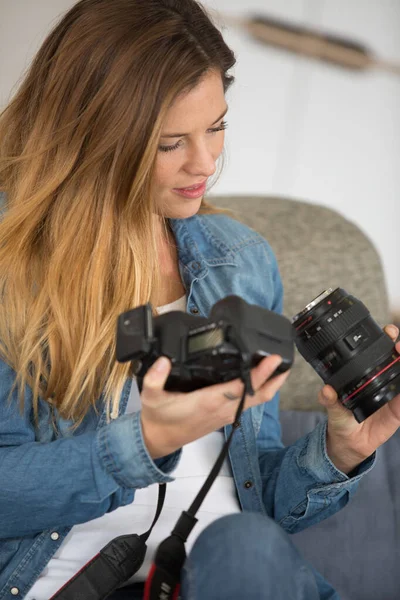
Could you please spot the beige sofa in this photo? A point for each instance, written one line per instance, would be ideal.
(316, 248)
(358, 549)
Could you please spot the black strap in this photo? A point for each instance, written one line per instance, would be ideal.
(162, 488)
(165, 575)
(198, 501)
(121, 558)
(117, 562)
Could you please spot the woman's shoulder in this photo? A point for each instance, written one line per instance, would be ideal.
(227, 229)
(258, 277)
(232, 233)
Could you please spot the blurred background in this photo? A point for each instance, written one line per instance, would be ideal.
(298, 127)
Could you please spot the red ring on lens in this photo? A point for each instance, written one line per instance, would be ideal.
(372, 379)
(310, 318)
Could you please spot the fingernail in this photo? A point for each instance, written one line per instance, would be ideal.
(326, 397)
(392, 330)
(278, 360)
(161, 364)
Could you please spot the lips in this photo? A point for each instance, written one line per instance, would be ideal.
(192, 187)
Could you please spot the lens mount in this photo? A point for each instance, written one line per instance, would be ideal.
(312, 304)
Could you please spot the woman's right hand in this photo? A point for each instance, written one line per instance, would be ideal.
(172, 419)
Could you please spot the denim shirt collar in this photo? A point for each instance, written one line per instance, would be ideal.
(213, 251)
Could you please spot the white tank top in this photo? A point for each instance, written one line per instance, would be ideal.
(85, 540)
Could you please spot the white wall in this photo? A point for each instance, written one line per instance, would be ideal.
(296, 127)
(300, 128)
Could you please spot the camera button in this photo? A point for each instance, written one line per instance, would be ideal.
(355, 339)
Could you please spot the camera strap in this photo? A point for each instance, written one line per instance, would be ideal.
(117, 562)
(163, 581)
(121, 558)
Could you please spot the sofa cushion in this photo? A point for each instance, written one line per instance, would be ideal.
(358, 549)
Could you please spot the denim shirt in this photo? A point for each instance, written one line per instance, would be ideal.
(51, 479)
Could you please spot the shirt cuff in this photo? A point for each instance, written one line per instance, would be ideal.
(315, 460)
(124, 455)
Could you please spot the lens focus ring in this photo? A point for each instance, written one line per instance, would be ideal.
(359, 365)
(331, 332)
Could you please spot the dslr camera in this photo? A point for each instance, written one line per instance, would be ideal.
(204, 351)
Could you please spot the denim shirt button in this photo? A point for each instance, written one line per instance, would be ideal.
(236, 424)
(54, 536)
(196, 266)
(194, 310)
(14, 591)
(248, 484)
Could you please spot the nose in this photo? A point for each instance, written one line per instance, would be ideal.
(201, 161)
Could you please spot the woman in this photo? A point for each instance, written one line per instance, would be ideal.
(105, 154)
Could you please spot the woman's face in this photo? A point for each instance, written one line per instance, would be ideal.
(191, 141)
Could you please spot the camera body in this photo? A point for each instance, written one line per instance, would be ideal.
(204, 351)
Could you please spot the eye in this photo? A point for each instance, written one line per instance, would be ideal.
(170, 148)
(222, 127)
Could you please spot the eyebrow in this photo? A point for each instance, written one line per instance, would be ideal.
(173, 135)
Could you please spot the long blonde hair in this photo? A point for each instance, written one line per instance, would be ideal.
(78, 144)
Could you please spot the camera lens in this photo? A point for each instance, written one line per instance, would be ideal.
(337, 336)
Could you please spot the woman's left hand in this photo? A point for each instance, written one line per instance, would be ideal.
(348, 442)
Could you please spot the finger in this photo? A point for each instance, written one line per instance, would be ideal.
(267, 391)
(265, 394)
(338, 415)
(264, 370)
(156, 377)
(235, 387)
(392, 331)
(327, 396)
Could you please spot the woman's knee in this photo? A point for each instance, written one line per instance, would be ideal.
(251, 540)
(247, 529)
(245, 551)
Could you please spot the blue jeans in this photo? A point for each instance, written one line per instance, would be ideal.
(245, 555)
